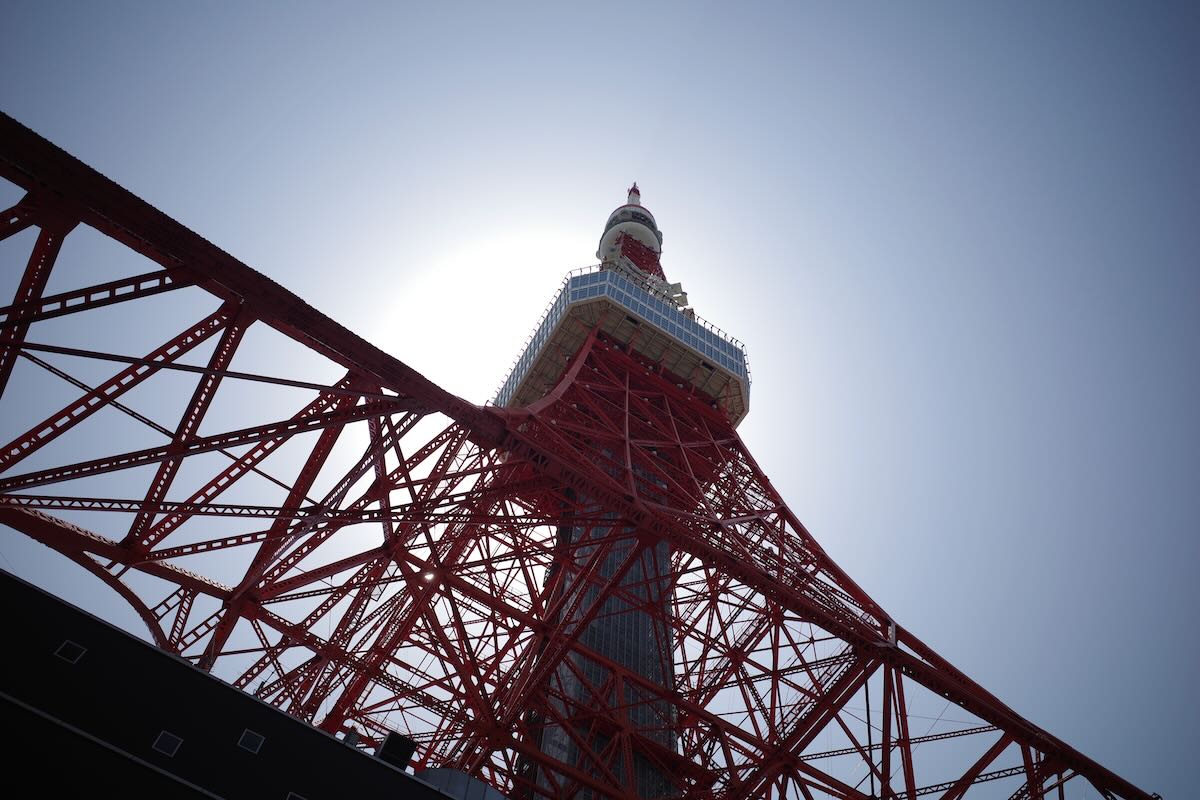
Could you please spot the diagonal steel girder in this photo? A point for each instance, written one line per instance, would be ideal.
(44, 170)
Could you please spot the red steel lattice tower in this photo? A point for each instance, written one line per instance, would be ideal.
(586, 589)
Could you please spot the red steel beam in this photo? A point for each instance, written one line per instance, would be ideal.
(29, 291)
(36, 165)
(607, 422)
(102, 294)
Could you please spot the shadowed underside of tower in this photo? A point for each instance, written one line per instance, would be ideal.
(588, 589)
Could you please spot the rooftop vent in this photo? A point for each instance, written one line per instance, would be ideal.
(167, 743)
(251, 740)
(397, 750)
(70, 652)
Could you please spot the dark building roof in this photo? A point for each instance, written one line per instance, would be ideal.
(92, 710)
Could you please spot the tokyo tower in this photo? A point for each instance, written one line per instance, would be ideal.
(585, 589)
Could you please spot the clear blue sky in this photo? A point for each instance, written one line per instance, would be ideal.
(961, 242)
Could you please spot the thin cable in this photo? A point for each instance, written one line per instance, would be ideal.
(146, 420)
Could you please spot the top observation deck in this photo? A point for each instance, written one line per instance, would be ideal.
(630, 307)
(627, 297)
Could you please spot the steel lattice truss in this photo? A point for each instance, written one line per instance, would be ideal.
(368, 552)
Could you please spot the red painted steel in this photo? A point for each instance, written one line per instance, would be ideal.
(640, 255)
(390, 556)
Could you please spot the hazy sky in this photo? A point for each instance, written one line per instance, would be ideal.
(960, 240)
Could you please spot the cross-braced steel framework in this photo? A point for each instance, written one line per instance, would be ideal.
(323, 526)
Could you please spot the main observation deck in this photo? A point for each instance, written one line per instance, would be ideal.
(632, 311)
